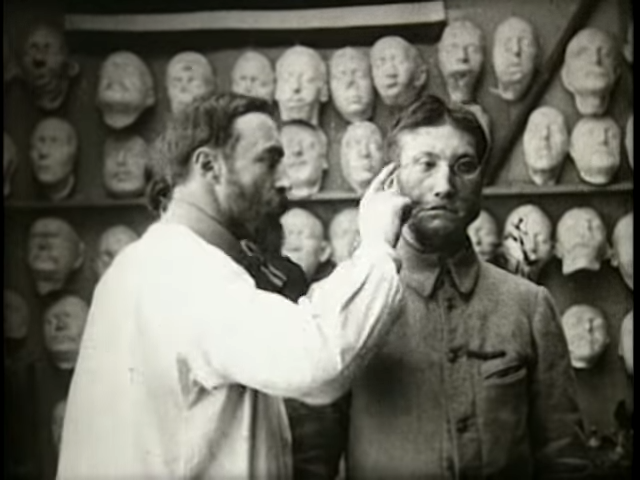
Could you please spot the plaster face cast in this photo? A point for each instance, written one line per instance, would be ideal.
(351, 84)
(460, 59)
(54, 252)
(527, 242)
(625, 349)
(591, 69)
(581, 240)
(46, 66)
(111, 244)
(546, 143)
(399, 71)
(64, 325)
(484, 235)
(301, 85)
(125, 89)
(622, 255)
(9, 162)
(189, 75)
(361, 154)
(344, 234)
(515, 56)
(125, 166)
(305, 159)
(54, 151)
(253, 75)
(304, 240)
(595, 149)
(57, 422)
(628, 140)
(585, 329)
(16, 316)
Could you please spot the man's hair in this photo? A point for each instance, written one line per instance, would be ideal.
(431, 111)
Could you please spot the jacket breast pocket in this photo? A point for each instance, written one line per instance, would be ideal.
(503, 372)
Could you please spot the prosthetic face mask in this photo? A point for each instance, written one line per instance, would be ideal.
(189, 75)
(628, 140)
(125, 166)
(581, 240)
(515, 55)
(63, 328)
(585, 329)
(484, 236)
(399, 71)
(57, 422)
(54, 149)
(46, 66)
(344, 234)
(111, 243)
(54, 252)
(622, 256)
(591, 69)
(16, 316)
(301, 84)
(9, 162)
(460, 58)
(305, 159)
(361, 154)
(625, 349)
(595, 149)
(125, 89)
(253, 75)
(351, 84)
(546, 143)
(304, 241)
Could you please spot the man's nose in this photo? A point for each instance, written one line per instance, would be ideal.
(442, 182)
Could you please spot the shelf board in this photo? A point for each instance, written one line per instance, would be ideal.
(72, 204)
(564, 189)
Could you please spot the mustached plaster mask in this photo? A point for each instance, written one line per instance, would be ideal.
(581, 240)
(585, 329)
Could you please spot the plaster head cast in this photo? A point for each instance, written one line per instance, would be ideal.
(625, 348)
(515, 58)
(305, 158)
(399, 71)
(64, 323)
(545, 144)
(57, 422)
(189, 75)
(253, 75)
(595, 148)
(54, 152)
(484, 236)
(16, 316)
(9, 162)
(585, 329)
(351, 84)
(361, 154)
(581, 240)
(46, 66)
(112, 242)
(622, 254)
(460, 59)
(304, 240)
(591, 69)
(54, 252)
(301, 84)
(628, 140)
(527, 241)
(344, 234)
(125, 89)
(126, 162)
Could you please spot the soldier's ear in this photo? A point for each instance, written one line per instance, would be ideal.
(209, 163)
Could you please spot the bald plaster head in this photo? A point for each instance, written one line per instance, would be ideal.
(189, 75)
(57, 422)
(625, 348)
(344, 234)
(361, 154)
(595, 148)
(46, 66)
(485, 236)
(54, 252)
(351, 84)
(54, 153)
(585, 329)
(591, 69)
(304, 240)
(581, 240)
(460, 59)
(399, 71)
(253, 75)
(545, 143)
(9, 162)
(112, 242)
(628, 140)
(527, 241)
(125, 89)
(16, 316)
(64, 323)
(301, 84)
(622, 254)
(126, 162)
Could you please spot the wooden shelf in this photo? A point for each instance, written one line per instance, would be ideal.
(565, 189)
(72, 204)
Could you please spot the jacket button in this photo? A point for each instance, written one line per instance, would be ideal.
(452, 355)
(462, 425)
